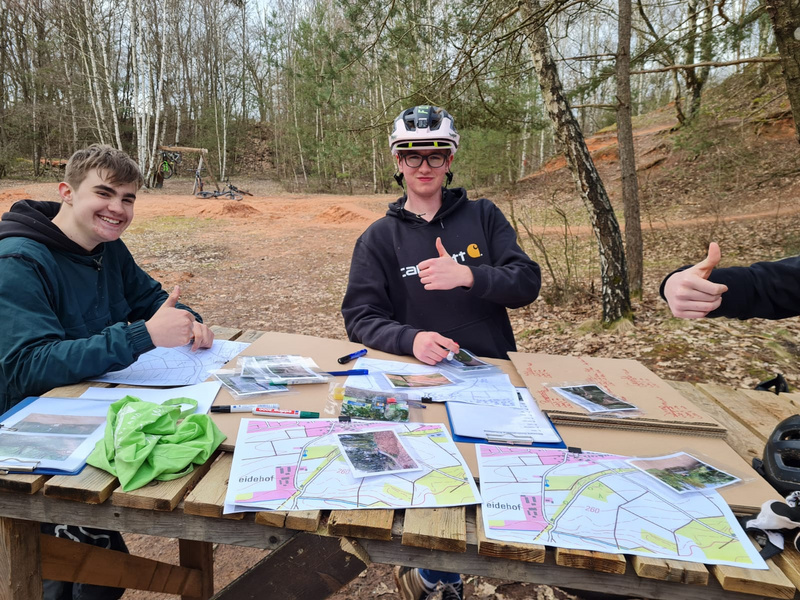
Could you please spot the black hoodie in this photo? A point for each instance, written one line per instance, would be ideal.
(385, 305)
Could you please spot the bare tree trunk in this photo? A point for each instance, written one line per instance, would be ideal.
(785, 15)
(627, 156)
(94, 78)
(614, 275)
(112, 101)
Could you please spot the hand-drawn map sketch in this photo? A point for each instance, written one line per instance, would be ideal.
(594, 501)
(296, 464)
(175, 366)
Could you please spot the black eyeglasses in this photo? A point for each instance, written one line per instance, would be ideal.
(434, 160)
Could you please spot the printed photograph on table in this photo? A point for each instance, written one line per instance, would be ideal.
(593, 398)
(247, 386)
(683, 472)
(421, 380)
(61, 424)
(372, 453)
(39, 447)
(282, 369)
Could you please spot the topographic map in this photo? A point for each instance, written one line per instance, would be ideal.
(296, 464)
(593, 501)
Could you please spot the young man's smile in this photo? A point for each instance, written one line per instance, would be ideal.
(97, 211)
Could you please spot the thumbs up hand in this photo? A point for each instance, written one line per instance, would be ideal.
(170, 326)
(689, 293)
(444, 273)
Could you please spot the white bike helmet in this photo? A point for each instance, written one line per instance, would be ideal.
(424, 127)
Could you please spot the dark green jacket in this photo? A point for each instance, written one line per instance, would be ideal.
(66, 314)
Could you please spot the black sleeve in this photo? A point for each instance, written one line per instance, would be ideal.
(767, 290)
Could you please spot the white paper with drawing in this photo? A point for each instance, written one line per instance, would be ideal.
(175, 366)
(421, 381)
(204, 393)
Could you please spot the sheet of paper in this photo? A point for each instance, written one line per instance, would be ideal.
(53, 433)
(494, 390)
(526, 424)
(204, 393)
(175, 366)
(296, 464)
(598, 502)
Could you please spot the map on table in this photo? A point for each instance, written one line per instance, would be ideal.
(594, 501)
(495, 390)
(297, 464)
(175, 366)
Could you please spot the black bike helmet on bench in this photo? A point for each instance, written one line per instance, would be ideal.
(781, 464)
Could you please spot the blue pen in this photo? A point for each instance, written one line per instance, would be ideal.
(350, 372)
(346, 359)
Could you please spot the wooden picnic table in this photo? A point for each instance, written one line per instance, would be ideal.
(315, 553)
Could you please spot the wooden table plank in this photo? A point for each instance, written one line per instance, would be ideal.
(161, 495)
(678, 571)
(603, 562)
(24, 484)
(20, 567)
(225, 333)
(772, 583)
(742, 408)
(92, 485)
(788, 562)
(198, 556)
(273, 518)
(436, 528)
(303, 520)
(65, 560)
(510, 550)
(375, 524)
(207, 499)
(746, 443)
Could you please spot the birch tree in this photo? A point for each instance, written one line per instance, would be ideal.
(613, 269)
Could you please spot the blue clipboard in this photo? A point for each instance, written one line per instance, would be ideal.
(506, 440)
(27, 467)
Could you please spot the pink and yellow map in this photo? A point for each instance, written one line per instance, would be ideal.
(296, 464)
(594, 501)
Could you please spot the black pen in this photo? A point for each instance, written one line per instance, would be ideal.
(346, 359)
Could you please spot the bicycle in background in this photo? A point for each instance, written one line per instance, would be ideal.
(228, 191)
(169, 163)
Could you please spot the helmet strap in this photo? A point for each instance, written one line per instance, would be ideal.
(398, 177)
(449, 178)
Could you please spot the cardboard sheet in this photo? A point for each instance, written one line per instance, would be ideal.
(661, 407)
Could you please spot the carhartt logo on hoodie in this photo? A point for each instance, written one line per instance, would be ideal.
(472, 251)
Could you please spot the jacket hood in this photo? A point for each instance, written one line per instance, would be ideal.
(451, 200)
(33, 220)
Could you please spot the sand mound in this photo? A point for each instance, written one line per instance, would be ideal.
(338, 214)
(231, 209)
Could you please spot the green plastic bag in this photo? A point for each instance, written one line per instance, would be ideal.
(145, 441)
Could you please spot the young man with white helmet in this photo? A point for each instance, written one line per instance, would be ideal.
(435, 274)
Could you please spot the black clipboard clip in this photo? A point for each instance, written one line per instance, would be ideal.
(21, 466)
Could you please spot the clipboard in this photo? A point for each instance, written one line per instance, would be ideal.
(76, 460)
(481, 424)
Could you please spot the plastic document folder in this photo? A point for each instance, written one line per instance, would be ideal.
(50, 436)
(527, 425)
